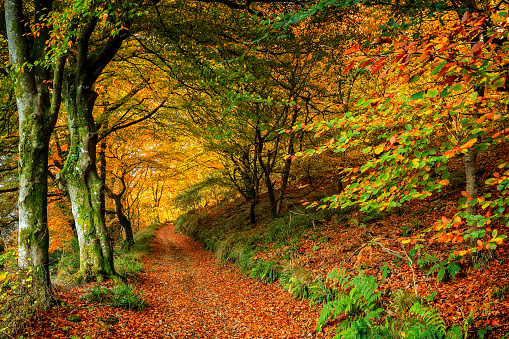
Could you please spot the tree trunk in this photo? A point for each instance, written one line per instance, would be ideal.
(102, 169)
(267, 171)
(472, 186)
(252, 211)
(122, 219)
(79, 174)
(80, 177)
(37, 110)
(288, 165)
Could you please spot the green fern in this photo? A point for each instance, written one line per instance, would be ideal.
(405, 299)
(453, 269)
(427, 260)
(367, 287)
(298, 289)
(360, 302)
(429, 317)
(257, 270)
(320, 293)
(339, 277)
(454, 333)
(444, 268)
(420, 331)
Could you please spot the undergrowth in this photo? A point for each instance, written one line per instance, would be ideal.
(20, 295)
(122, 296)
(355, 301)
(127, 261)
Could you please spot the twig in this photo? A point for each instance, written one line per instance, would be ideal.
(397, 255)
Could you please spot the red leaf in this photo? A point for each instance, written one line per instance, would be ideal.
(381, 40)
(365, 63)
(477, 46)
(465, 17)
(449, 80)
(349, 67)
(351, 50)
(377, 65)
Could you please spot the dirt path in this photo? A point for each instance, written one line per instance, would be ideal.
(189, 296)
(205, 300)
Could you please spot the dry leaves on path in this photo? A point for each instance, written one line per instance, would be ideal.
(189, 296)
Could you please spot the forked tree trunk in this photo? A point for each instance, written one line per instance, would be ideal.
(83, 184)
(79, 174)
(119, 211)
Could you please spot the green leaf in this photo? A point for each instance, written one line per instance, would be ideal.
(417, 96)
(438, 68)
(432, 93)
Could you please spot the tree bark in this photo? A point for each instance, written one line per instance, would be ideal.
(38, 107)
(81, 179)
(119, 211)
(79, 174)
(288, 165)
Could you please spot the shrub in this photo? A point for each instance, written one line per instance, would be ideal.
(358, 300)
(20, 296)
(98, 294)
(122, 295)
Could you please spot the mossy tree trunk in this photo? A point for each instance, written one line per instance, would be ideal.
(79, 175)
(83, 184)
(38, 101)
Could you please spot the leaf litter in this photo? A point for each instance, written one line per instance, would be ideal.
(189, 295)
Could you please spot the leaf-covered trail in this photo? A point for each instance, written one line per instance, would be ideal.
(189, 296)
(200, 299)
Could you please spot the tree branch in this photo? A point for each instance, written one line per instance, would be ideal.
(8, 190)
(104, 134)
(102, 57)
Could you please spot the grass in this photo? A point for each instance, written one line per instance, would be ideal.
(121, 295)
(129, 265)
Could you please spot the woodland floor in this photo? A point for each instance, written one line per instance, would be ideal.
(189, 296)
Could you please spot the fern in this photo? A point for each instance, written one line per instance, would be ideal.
(405, 299)
(269, 272)
(257, 270)
(297, 288)
(427, 260)
(429, 317)
(367, 287)
(443, 268)
(320, 293)
(331, 310)
(420, 331)
(339, 277)
(453, 269)
(359, 303)
(454, 333)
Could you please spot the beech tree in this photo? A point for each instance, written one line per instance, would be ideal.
(442, 98)
(37, 86)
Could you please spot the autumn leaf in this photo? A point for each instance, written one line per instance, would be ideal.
(352, 49)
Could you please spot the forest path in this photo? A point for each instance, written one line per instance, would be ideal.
(200, 299)
(189, 295)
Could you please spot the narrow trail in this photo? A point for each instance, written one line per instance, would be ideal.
(189, 295)
(206, 300)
